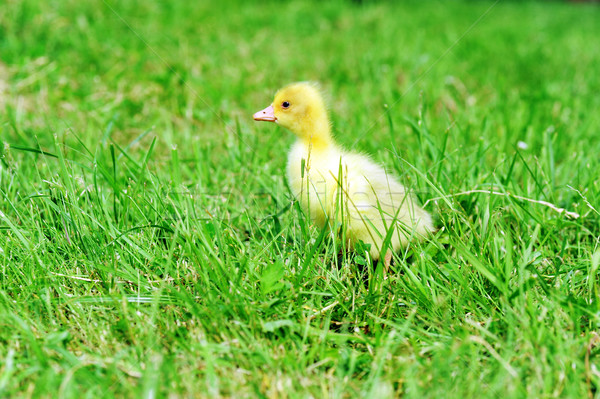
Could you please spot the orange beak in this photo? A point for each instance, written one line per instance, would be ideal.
(266, 114)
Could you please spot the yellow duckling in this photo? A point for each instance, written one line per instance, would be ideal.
(340, 188)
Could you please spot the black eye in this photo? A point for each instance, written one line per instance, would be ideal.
(285, 104)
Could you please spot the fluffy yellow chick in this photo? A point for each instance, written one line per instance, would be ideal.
(340, 188)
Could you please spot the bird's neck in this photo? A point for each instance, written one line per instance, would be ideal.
(317, 135)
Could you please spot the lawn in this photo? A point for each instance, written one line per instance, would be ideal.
(150, 246)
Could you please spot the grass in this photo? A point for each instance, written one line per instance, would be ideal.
(149, 245)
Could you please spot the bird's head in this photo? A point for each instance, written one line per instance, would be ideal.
(300, 108)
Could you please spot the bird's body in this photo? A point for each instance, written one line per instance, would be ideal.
(341, 189)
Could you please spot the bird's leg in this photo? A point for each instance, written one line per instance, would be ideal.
(387, 260)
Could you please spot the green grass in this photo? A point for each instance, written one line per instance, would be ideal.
(147, 243)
